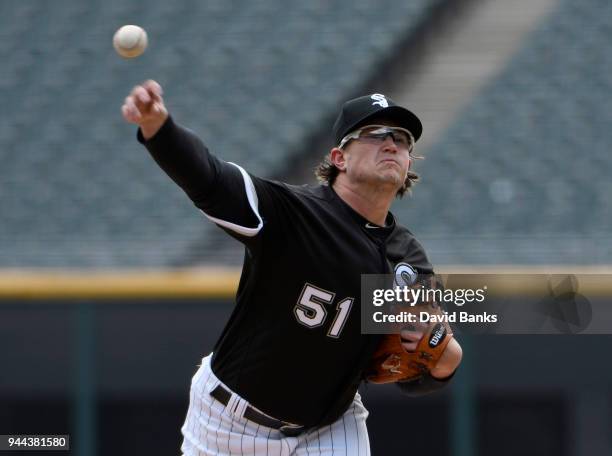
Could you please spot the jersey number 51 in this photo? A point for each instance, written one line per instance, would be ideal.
(311, 311)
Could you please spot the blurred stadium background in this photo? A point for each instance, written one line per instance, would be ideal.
(113, 286)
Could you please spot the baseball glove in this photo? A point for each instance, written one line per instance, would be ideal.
(391, 362)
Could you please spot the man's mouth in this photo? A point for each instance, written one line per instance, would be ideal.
(389, 160)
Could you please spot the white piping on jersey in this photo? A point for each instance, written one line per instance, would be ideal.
(253, 202)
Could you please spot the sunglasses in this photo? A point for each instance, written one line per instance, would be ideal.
(377, 134)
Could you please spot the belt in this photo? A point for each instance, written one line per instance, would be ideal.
(223, 395)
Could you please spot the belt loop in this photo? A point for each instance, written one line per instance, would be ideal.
(231, 404)
(241, 405)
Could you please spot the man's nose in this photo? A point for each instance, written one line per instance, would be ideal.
(389, 144)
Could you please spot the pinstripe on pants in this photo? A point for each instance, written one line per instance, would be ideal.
(214, 429)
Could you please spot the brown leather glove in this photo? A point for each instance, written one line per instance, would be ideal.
(391, 362)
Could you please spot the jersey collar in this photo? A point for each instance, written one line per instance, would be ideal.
(368, 226)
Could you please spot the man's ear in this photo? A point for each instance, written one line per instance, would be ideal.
(338, 158)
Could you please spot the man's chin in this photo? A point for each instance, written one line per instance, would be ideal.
(391, 179)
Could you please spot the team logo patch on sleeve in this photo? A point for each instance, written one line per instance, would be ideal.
(405, 275)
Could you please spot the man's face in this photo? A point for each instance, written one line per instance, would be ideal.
(377, 162)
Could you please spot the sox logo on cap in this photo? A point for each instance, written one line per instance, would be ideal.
(381, 100)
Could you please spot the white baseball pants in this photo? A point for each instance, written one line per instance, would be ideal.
(212, 428)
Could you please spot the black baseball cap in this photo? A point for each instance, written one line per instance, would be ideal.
(360, 111)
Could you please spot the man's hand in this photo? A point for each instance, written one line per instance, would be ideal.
(145, 107)
(450, 358)
(449, 361)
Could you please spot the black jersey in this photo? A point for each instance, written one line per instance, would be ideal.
(292, 346)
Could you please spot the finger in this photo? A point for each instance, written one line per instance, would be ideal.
(409, 346)
(155, 97)
(141, 96)
(154, 89)
(129, 117)
(410, 336)
(134, 99)
(157, 108)
(126, 113)
(132, 110)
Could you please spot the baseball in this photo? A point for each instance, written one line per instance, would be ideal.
(130, 41)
